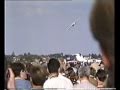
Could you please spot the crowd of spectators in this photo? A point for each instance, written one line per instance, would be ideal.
(57, 74)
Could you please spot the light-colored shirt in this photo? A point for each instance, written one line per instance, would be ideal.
(59, 82)
(85, 85)
(68, 81)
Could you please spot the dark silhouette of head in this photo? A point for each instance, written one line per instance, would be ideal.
(101, 75)
(17, 68)
(53, 65)
(102, 26)
(38, 75)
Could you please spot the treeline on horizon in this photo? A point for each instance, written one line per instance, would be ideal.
(29, 56)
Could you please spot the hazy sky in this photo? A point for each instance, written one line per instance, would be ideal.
(40, 27)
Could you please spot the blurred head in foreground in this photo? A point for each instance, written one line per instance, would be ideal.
(102, 26)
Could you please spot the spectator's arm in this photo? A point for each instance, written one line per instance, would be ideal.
(11, 80)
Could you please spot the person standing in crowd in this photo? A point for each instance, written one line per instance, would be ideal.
(71, 75)
(54, 80)
(20, 76)
(38, 77)
(92, 77)
(28, 68)
(85, 84)
(102, 27)
(101, 76)
(62, 73)
(94, 67)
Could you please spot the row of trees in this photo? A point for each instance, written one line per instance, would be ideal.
(30, 57)
(95, 56)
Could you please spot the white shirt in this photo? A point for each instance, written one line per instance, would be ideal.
(60, 82)
(68, 81)
(85, 85)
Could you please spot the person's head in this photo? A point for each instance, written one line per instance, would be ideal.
(53, 65)
(62, 63)
(19, 70)
(72, 65)
(92, 71)
(101, 75)
(28, 66)
(84, 71)
(71, 75)
(37, 75)
(102, 26)
(69, 71)
(44, 68)
(95, 66)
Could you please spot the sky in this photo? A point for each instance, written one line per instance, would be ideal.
(40, 27)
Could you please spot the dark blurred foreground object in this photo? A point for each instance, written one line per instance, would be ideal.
(102, 26)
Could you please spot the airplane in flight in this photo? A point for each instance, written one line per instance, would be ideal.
(73, 24)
